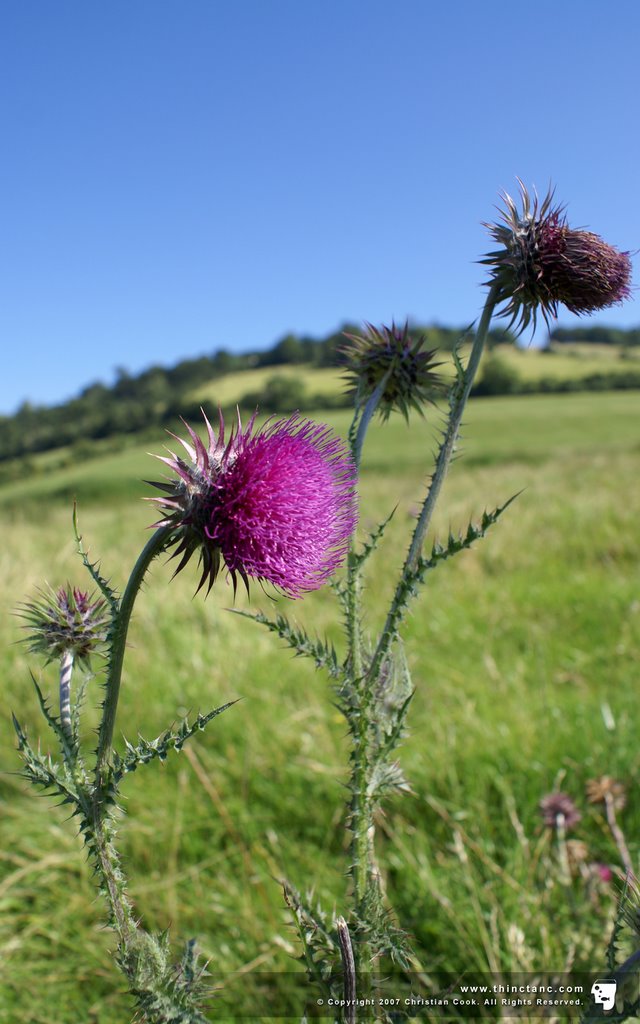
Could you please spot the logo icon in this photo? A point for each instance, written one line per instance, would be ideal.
(603, 991)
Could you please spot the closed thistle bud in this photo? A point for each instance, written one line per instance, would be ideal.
(391, 352)
(65, 622)
(543, 263)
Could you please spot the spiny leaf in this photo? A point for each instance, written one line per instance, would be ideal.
(320, 651)
(67, 744)
(358, 559)
(320, 943)
(386, 778)
(412, 578)
(93, 568)
(42, 771)
(148, 750)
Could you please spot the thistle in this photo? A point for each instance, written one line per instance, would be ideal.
(277, 504)
(543, 263)
(559, 811)
(389, 354)
(66, 625)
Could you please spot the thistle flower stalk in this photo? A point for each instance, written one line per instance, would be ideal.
(66, 671)
(154, 546)
(458, 403)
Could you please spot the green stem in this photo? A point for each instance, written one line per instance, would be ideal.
(357, 432)
(66, 671)
(447, 448)
(453, 429)
(154, 546)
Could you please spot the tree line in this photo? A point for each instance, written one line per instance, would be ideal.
(159, 395)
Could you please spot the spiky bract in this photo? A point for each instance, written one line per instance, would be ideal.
(411, 382)
(65, 621)
(275, 504)
(543, 263)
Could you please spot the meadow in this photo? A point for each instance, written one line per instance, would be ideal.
(524, 653)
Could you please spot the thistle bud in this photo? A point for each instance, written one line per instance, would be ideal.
(543, 263)
(65, 622)
(390, 352)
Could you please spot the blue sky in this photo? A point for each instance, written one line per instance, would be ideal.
(180, 177)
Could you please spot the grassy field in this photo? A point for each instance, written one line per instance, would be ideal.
(524, 653)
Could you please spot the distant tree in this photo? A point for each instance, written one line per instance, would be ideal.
(288, 350)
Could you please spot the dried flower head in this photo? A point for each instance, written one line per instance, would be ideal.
(606, 790)
(558, 810)
(277, 504)
(66, 621)
(411, 381)
(543, 262)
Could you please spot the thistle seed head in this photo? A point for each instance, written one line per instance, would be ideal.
(542, 263)
(606, 790)
(275, 504)
(412, 381)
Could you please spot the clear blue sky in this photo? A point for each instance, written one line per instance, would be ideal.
(178, 177)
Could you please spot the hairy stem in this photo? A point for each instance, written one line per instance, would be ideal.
(154, 546)
(66, 671)
(108, 864)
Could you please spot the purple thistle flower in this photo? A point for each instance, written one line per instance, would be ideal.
(543, 262)
(277, 504)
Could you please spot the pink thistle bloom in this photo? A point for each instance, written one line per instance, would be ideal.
(604, 872)
(543, 262)
(277, 504)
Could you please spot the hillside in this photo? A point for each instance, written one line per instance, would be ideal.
(296, 373)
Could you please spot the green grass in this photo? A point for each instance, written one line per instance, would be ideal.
(523, 651)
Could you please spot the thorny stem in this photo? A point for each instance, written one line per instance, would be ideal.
(363, 869)
(154, 546)
(108, 865)
(445, 454)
